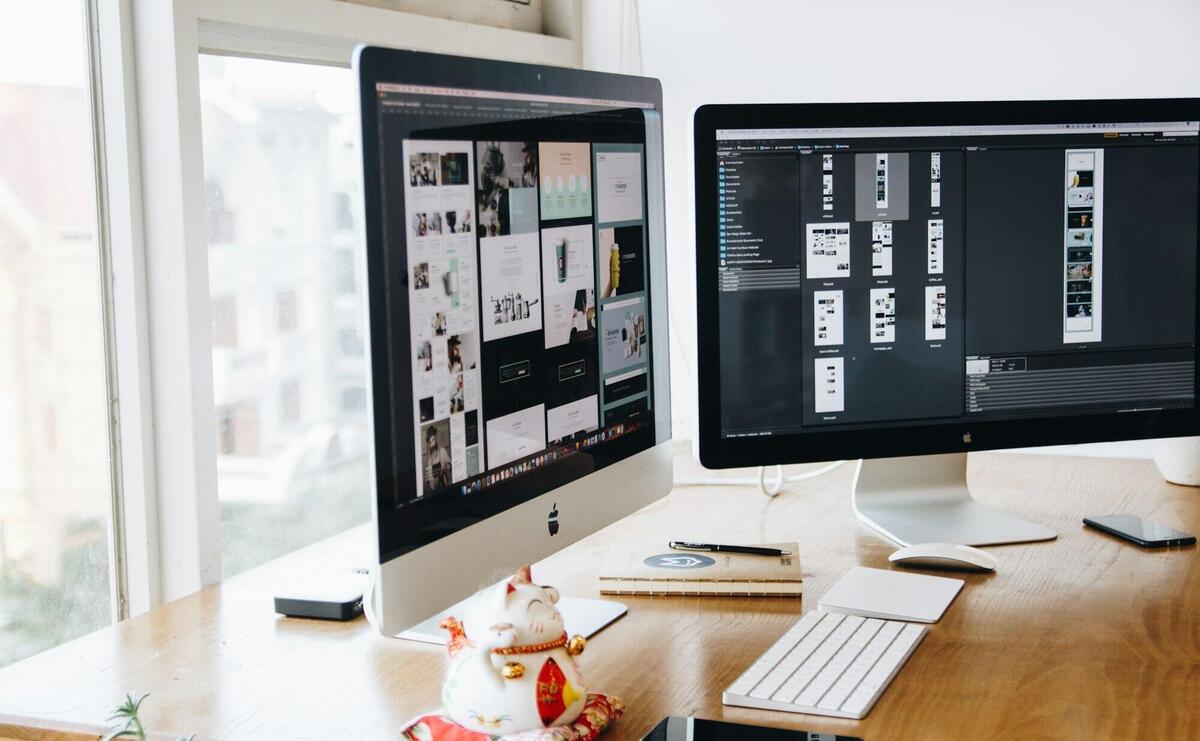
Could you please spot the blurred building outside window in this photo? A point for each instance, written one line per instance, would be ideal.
(284, 195)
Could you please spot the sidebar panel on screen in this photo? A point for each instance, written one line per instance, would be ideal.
(759, 274)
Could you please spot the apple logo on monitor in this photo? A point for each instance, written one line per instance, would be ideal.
(552, 521)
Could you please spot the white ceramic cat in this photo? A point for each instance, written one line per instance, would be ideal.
(512, 667)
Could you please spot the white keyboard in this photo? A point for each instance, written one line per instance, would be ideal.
(827, 664)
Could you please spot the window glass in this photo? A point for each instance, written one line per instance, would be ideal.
(224, 321)
(55, 483)
(284, 197)
(286, 315)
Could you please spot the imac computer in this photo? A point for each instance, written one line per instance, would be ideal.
(909, 282)
(516, 298)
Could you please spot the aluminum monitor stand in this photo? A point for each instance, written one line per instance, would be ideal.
(924, 499)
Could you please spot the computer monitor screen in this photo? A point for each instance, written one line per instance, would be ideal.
(895, 277)
(509, 298)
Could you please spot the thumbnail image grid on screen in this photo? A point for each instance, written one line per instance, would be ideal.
(527, 303)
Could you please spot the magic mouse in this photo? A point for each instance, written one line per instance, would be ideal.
(944, 556)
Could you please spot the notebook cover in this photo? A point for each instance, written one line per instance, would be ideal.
(664, 571)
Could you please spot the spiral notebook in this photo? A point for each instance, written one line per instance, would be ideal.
(693, 573)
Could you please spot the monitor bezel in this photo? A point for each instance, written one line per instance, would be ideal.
(715, 451)
(385, 65)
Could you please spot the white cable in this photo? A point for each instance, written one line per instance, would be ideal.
(369, 599)
(760, 480)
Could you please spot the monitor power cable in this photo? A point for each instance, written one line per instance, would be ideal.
(769, 490)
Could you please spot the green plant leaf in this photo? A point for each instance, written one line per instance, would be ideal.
(127, 711)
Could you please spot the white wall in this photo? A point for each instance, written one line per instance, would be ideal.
(728, 51)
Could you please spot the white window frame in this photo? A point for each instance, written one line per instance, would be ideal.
(166, 515)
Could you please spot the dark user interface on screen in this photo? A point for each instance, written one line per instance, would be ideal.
(927, 276)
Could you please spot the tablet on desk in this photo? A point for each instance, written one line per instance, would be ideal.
(676, 728)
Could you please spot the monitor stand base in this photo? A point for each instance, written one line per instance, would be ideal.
(924, 499)
(585, 617)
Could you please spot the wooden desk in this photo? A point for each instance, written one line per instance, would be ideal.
(1083, 637)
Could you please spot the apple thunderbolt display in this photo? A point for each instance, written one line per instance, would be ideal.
(913, 281)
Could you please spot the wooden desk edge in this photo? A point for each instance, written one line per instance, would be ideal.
(18, 728)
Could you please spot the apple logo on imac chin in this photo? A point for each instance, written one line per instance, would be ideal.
(552, 521)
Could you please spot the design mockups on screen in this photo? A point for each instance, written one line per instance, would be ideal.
(528, 299)
(444, 305)
(827, 316)
(1083, 248)
(828, 250)
(829, 385)
(994, 251)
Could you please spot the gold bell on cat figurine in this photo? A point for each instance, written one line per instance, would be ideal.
(576, 645)
(513, 670)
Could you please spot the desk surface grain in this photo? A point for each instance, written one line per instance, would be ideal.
(1085, 636)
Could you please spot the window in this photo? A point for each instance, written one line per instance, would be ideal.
(346, 284)
(281, 169)
(51, 442)
(342, 216)
(55, 492)
(354, 400)
(44, 332)
(350, 342)
(237, 429)
(285, 311)
(224, 321)
(289, 402)
(220, 219)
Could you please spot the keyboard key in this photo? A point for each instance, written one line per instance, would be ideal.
(829, 674)
(853, 674)
(909, 635)
(778, 675)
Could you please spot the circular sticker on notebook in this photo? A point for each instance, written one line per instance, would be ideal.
(679, 561)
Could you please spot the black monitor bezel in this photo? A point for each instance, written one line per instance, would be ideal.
(900, 440)
(381, 64)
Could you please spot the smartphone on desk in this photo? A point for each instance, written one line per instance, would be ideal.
(697, 729)
(1143, 532)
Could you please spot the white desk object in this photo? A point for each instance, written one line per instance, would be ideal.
(891, 595)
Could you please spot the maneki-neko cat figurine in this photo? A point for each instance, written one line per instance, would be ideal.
(512, 666)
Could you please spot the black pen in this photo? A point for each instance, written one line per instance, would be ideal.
(679, 545)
